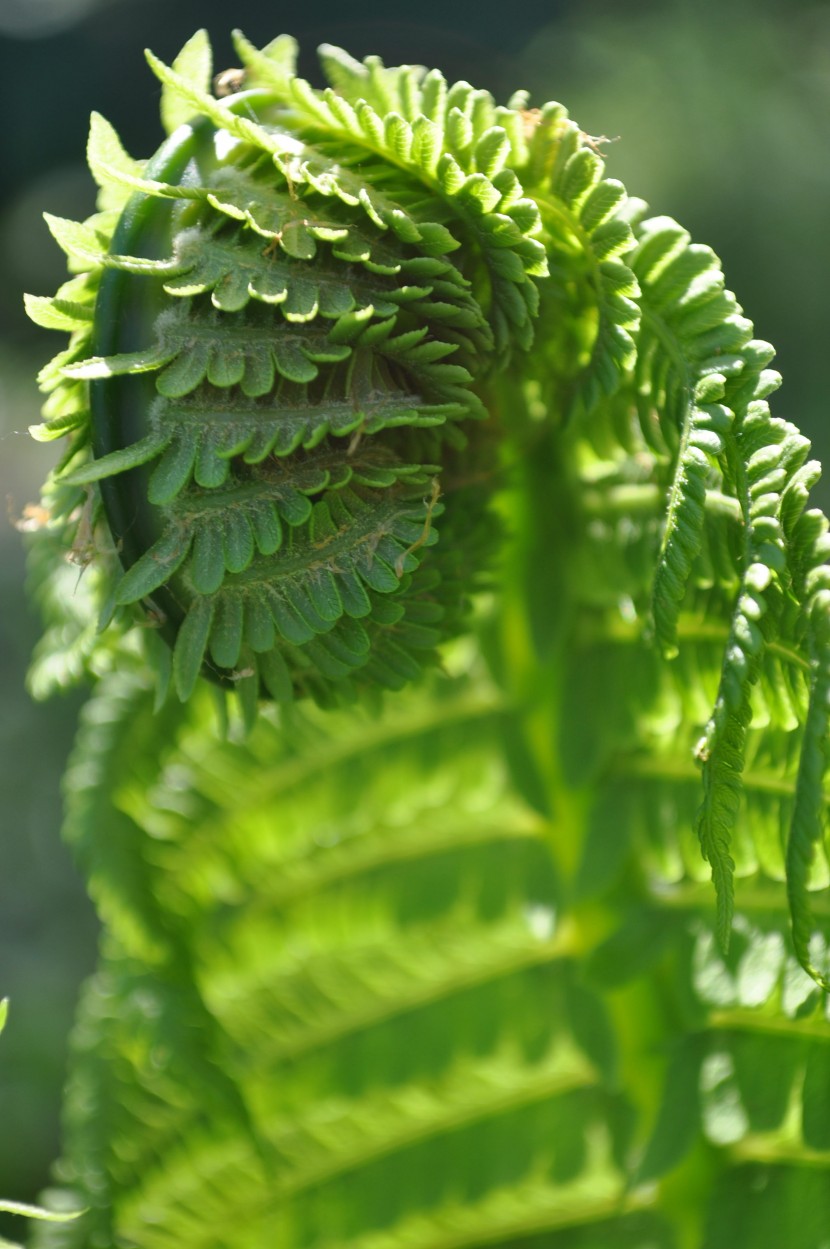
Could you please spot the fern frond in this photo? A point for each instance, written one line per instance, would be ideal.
(807, 828)
(431, 1000)
(386, 999)
(228, 386)
(684, 302)
(195, 65)
(710, 397)
(587, 234)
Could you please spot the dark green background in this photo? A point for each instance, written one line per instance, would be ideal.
(720, 116)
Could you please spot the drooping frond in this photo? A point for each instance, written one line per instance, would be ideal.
(730, 548)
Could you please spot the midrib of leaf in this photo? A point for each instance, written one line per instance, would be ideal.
(299, 867)
(384, 850)
(670, 344)
(757, 1021)
(770, 1149)
(543, 1209)
(752, 898)
(551, 1081)
(554, 210)
(672, 768)
(365, 529)
(195, 415)
(471, 973)
(691, 627)
(531, 1205)
(262, 785)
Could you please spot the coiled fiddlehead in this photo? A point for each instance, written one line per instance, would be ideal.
(288, 329)
(282, 368)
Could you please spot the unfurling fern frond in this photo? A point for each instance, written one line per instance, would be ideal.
(409, 974)
(300, 354)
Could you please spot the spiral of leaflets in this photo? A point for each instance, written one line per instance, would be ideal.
(272, 367)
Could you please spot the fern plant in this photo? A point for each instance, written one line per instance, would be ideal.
(452, 787)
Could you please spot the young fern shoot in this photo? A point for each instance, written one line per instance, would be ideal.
(339, 360)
